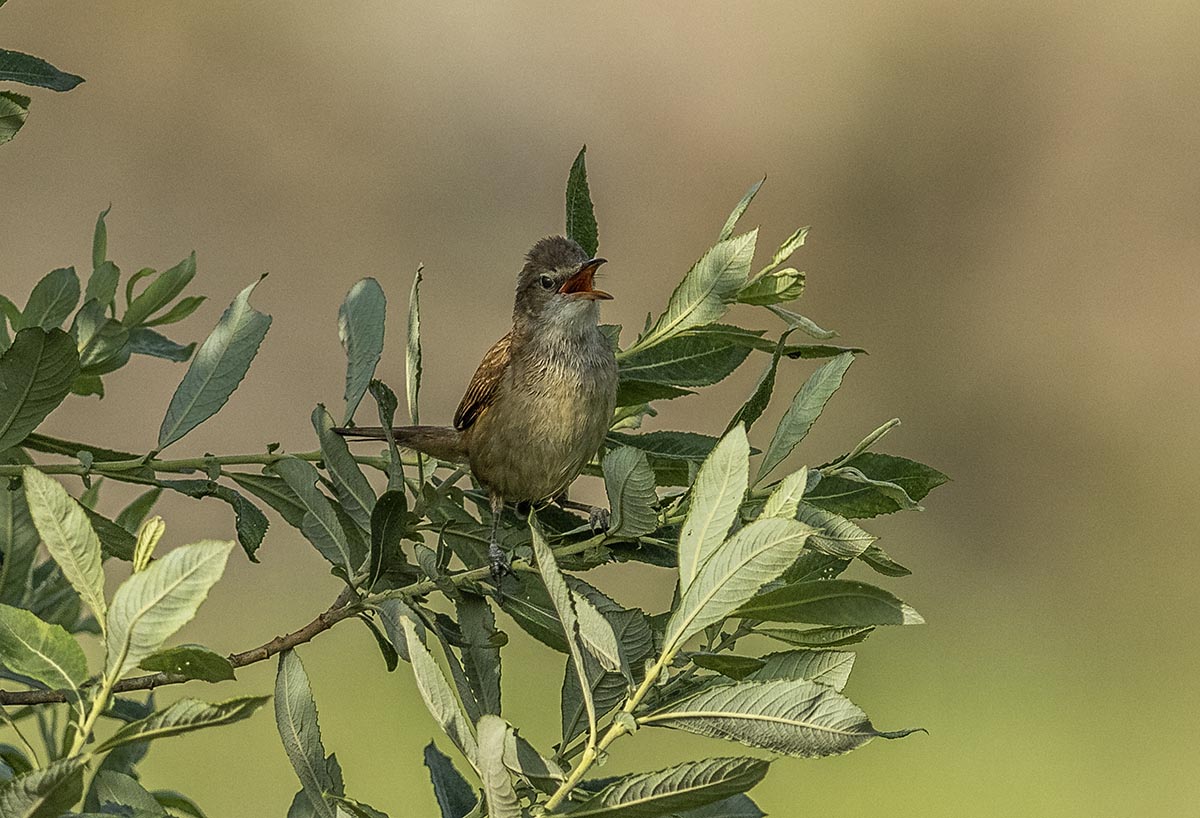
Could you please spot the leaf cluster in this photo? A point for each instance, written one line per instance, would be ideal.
(26, 70)
(757, 559)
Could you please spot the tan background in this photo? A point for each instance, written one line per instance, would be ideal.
(1004, 208)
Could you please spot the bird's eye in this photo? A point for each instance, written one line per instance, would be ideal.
(547, 282)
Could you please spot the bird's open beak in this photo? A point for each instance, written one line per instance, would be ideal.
(580, 284)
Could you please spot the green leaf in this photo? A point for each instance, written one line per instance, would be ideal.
(296, 718)
(806, 325)
(18, 537)
(23, 68)
(160, 292)
(692, 784)
(152, 604)
(143, 341)
(817, 637)
(739, 806)
(801, 719)
(705, 292)
(192, 661)
(481, 650)
(831, 602)
(250, 523)
(134, 279)
(386, 403)
(436, 692)
(349, 483)
(629, 482)
(178, 802)
(184, 716)
(133, 514)
(523, 759)
(881, 562)
(689, 446)
(100, 250)
(46, 792)
(727, 664)
(581, 220)
(320, 524)
(454, 796)
(217, 369)
(412, 349)
(633, 393)
(733, 575)
(785, 498)
(14, 108)
(68, 536)
(694, 358)
(776, 287)
(182, 309)
(360, 327)
(859, 500)
(45, 653)
(827, 667)
(273, 491)
(739, 209)
(390, 521)
(805, 409)
(498, 791)
(716, 496)
(565, 608)
(102, 342)
(837, 537)
(36, 373)
(790, 245)
(757, 403)
(102, 284)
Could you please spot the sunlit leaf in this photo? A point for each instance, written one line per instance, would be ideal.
(692, 784)
(14, 108)
(436, 692)
(45, 653)
(802, 719)
(143, 341)
(160, 292)
(739, 209)
(716, 496)
(360, 327)
(412, 349)
(152, 604)
(219, 366)
(629, 483)
(784, 500)
(831, 602)
(777, 287)
(36, 373)
(837, 536)
(827, 667)
(817, 637)
(184, 716)
(44, 793)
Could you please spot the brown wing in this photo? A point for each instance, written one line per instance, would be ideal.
(482, 390)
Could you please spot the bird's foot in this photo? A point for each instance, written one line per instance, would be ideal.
(599, 519)
(499, 566)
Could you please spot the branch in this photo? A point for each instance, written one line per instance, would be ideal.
(339, 610)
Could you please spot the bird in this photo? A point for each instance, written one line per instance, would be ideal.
(541, 401)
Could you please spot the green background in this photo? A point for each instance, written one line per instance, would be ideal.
(1004, 206)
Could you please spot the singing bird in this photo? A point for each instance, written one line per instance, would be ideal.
(542, 399)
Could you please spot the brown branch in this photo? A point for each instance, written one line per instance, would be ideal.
(339, 610)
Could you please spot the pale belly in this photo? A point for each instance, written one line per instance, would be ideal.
(532, 443)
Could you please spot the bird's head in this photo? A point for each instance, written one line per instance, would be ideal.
(556, 285)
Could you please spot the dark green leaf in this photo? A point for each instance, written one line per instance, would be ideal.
(810, 351)
(18, 537)
(756, 404)
(861, 500)
(805, 409)
(178, 802)
(831, 602)
(45, 792)
(390, 521)
(115, 541)
(349, 483)
(360, 327)
(481, 650)
(386, 403)
(160, 292)
(629, 482)
(668, 445)
(102, 284)
(35, 375)
(14, 108)
(182, 309)
(184, 716)
(217, 369)
(133, 514)
(275, 493)
(143, 341)
(24, 68)
(102, 342)
(879, 559)
(739, 806)
(802, 719)
(692, 784)
(727, 664)
(454, 796)
(117, 793)
(296, 717)
(818, 637)
(632, 393)
(192, 661)
(581, 220)
(249, 521)
(320, 524)
(100, 251)
(694, 358)
(69, 448)
(391, 658)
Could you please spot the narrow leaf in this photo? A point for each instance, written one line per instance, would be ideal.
(501, 797)
(151, 605)
(182, 309)
(818, 637)
(454, 796)
(143, 341)
(801, 719)
(481, 650)
(827, 667)
(733, 575)
(785, 498)
(160, 292)
(360, 327)
(438, 696)
(837, 536)
(349, 483)
(777, 287)
(716, 496)
(739, 209)
(249, 521)
(18, 536)
(320, 524)
(184, 716)
(581, 220)
(412, 349)
(629, 482)
(390, 520)
(30, 70)
(68, 536)
(805, 409)
(296, 718)
(192, 661)
(36, 373)
(692, 784)
(218, 368)
(831, 602)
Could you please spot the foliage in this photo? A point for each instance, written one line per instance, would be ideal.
(754, 557)
(27, 70)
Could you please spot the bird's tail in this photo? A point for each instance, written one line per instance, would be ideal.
(441, 442)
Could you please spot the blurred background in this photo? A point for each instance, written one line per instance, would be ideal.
(1003, 200)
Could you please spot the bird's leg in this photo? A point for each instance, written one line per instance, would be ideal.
(496, 557)
(598, 518)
